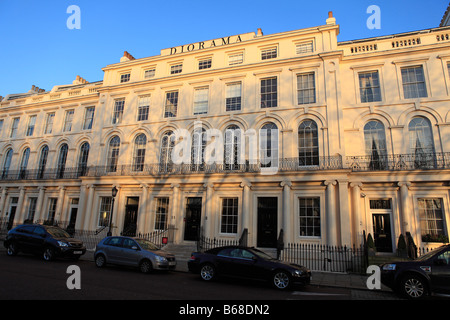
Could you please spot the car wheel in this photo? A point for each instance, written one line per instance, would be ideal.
(207, 272)
(12, 249)
(146, 266)
(49, 254)
(100, 261)
(413, 287)
(281, 280)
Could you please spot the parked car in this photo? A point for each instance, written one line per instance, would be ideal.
(134, 252)
(249, 263)
(49, 241)
(418, 278)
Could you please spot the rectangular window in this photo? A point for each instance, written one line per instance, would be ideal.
(49, 123)
(150, 73)
(269, 53)
(31, 209)
(369, 86)
(68, 120)
(309, 217)
(124, 77)
(88, 118)
(235, 59)
(431, 215)
(306, 88)
(14, 128)
(143, 108)
(201, 100)
(118, 111)
(52, 209)
(229, 216)
(269, 92)
(176, 68)
(205, 64)
(105, 211)
(233, 96)
(303, 48)
(413, 79)
(171, 104)
(31, 125)
(1, 126)
(161, 213)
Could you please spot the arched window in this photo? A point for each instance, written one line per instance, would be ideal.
(140, 144)
(421, 142)
(7, 163)
(375, 145)
(62, 158)
(24, 163)
(83, 158)
(113, 154)
(198, 149)
(165, 155)
(42, 162)
(308, 143)
(268, 145)
(232, 148)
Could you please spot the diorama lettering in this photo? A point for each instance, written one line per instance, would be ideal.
(205, 44)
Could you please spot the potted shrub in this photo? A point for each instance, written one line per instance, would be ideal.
(401, 247)
(371, 249)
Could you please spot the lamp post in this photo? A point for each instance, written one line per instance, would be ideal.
(114, 193)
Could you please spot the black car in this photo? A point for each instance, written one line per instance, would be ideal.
(418, 278)
(249, 263)
(48, 241)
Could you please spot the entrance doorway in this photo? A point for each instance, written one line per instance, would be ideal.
(12, 212)
(381, 220)
(267, 222)
(73, 216)
(193, 218)
(131, 212)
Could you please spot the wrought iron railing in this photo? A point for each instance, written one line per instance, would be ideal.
(418, 161)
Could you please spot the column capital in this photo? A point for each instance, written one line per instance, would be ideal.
(245, 184)
(286, 183)
(404, 184)
(208, 185)
(356, 184)
(175, 185)
(328, 182)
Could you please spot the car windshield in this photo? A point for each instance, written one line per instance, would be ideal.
(261, 254)
(58, 233)
(146, 245)
(428, 255)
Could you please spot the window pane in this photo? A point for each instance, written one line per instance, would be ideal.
(369, 86)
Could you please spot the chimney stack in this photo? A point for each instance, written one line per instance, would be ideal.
(126, 57)
(331, 19)
(259, 33)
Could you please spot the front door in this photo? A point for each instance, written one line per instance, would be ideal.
(382, 232)
(131, 212)
(12, 212)
(267, 222)
(193, 218)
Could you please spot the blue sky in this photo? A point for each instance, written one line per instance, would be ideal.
(38, 49)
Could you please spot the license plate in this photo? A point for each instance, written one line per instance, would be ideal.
(77, 252)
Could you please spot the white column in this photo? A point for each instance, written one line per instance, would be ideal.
(20, 207)
(407, 218)
(81, 208)
(207, 223)
(88, 217)
(59, 205)
(142, 214)
(344, 211)
(245, 218)
(2, 200)
(287, 214)
(357, 219)
(331, 236)
(177, 213)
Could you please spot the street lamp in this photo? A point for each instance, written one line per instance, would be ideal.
(114, 193)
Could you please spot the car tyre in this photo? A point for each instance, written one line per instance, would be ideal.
(207, 272)
(100, 261)
(281, 280)
(49, 254)
(12, 249)
(146, 266)
(413, 287)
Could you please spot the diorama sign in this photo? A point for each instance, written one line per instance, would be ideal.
(208, 44)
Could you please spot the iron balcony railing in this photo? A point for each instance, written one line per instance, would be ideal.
(418, 161)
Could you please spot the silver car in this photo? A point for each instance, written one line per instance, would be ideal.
(133, 252)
